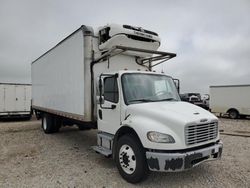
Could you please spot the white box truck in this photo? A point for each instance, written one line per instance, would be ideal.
(15, 100)
(233, 100)
(104, 80)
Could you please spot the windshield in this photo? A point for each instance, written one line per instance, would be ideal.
(139, 88)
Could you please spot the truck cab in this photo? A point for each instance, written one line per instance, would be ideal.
(142, 109)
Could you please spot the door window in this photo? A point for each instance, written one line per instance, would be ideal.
(111, 89)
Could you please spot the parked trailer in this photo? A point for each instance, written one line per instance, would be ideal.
(233, 100)
(15, 100)
(105, 81)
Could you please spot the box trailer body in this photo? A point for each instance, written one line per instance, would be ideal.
(230, 99)
(61, 78)
(58, 79)
(104, 80)
(15, 100)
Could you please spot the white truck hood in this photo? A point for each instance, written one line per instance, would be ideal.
(169, 117)
(181, 112)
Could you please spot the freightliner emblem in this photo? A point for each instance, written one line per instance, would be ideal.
(203, 120)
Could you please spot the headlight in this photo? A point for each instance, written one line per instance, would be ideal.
(160, 137)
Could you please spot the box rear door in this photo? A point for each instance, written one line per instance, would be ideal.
(10, 98)
(20, 98)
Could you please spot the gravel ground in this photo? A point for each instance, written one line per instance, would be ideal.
(30, 158)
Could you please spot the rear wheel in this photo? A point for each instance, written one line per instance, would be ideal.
(57, 124)
(47, 123)
(50, 124)
(233, 114)
(130, 159)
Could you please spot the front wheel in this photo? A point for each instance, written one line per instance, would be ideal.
(130, 159)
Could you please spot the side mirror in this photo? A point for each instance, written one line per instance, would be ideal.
(101, 91)
(177, 84)
(101, 87)
(101, 99)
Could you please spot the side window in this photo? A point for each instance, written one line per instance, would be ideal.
(110, 89)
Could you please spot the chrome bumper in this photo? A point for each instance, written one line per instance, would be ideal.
(167, 162)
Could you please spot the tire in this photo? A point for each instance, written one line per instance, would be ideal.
(57, 124)
(233, 114)
(48, 124)
(130, 159)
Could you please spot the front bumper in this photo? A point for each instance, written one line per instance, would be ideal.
(167, 162)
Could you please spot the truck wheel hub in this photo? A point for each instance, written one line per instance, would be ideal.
(44, 123)
(127, 159)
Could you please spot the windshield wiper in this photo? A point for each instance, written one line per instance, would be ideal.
(141, 100)
(150, 100)
(168, 99)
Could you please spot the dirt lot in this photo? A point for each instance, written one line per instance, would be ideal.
(30, 158)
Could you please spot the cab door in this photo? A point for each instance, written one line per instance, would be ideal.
(108, 110)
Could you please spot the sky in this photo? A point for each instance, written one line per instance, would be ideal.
(211, 38)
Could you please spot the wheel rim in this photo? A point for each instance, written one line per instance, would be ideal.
(127, 159)
(233, 114)
(44, 123)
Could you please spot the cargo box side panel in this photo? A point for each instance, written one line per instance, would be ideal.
(224, 98)
(58, 77)
(218, 100)
(2, 98)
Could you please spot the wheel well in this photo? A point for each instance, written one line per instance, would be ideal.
(122, 131)
(232, 109)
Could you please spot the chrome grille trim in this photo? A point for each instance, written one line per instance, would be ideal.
(195, 134)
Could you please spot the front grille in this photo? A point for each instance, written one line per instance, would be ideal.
(195, 134)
